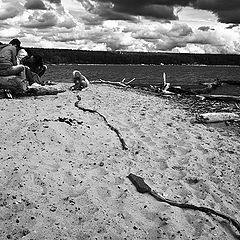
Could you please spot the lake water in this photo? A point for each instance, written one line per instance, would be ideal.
(147, 74)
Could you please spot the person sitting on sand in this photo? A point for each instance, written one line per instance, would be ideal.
(35, 63)
(80, 81)
(8, 59)
(34, 67)
(12, 75)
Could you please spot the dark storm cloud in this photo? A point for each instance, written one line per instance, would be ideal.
(232, 26)
(217, 5)
(130, 9)
(55, 1)
(204, 28)
(227, 11)
(35, 5)
(105, 11)
(231, 16)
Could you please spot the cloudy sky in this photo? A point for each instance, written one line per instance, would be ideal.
(191, 26)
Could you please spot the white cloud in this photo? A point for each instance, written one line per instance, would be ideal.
(9, 33)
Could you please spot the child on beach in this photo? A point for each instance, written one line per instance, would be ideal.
(80, 81)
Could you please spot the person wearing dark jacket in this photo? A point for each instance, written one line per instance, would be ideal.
(12, 75)
(36, 67)
(8, 59)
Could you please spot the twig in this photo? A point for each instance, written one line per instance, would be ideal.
(124, 145)
(142, 187)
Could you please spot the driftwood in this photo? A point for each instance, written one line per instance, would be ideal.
(166, 89)
(142, 187)
(216, 117)
(207, 89)
(228, 98)
(123, 143)
(123, 83)
(231, 82)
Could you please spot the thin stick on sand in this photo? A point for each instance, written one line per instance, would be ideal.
(123, 143)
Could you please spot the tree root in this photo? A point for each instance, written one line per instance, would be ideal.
(123, 143)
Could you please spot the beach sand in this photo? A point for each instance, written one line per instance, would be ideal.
(63, 171)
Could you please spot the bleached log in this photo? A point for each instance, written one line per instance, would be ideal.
(39, 90)
(166, 86)
(216, 117)
(227, 98)
(120, 84)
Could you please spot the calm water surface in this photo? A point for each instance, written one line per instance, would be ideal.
(146, 74)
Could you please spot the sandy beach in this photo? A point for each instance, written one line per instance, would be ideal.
(63, 170)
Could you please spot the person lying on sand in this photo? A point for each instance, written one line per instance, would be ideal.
(80, 81)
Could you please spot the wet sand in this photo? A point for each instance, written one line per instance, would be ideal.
(63, 171)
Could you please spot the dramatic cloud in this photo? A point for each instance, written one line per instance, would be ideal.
(232, 26)
(227, 11)
(66, 23)
(35, 4)
(45, 20)
(126, 10)
(204, 28)
(8, 11)
(55, 1)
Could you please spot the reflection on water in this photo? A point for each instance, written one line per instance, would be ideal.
(146, 74)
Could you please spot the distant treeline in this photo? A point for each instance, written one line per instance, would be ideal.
(120, 57)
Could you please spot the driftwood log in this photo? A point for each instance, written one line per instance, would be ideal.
(216, 117)
(207, 89)
(227, 98)
(142, 187)
(166, 89)
(123, 83)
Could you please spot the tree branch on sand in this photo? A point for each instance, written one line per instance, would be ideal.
(142, 187)
(123, 143)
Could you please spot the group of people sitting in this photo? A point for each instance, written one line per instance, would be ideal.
(23, 68)
(19, 70)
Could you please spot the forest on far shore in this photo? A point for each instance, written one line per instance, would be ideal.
(69, 56)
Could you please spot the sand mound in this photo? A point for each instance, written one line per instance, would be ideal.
(63, 170)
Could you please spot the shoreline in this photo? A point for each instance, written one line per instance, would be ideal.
(64, 173)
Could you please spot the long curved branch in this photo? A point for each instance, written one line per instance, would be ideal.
(123, 143)
(142, 187)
